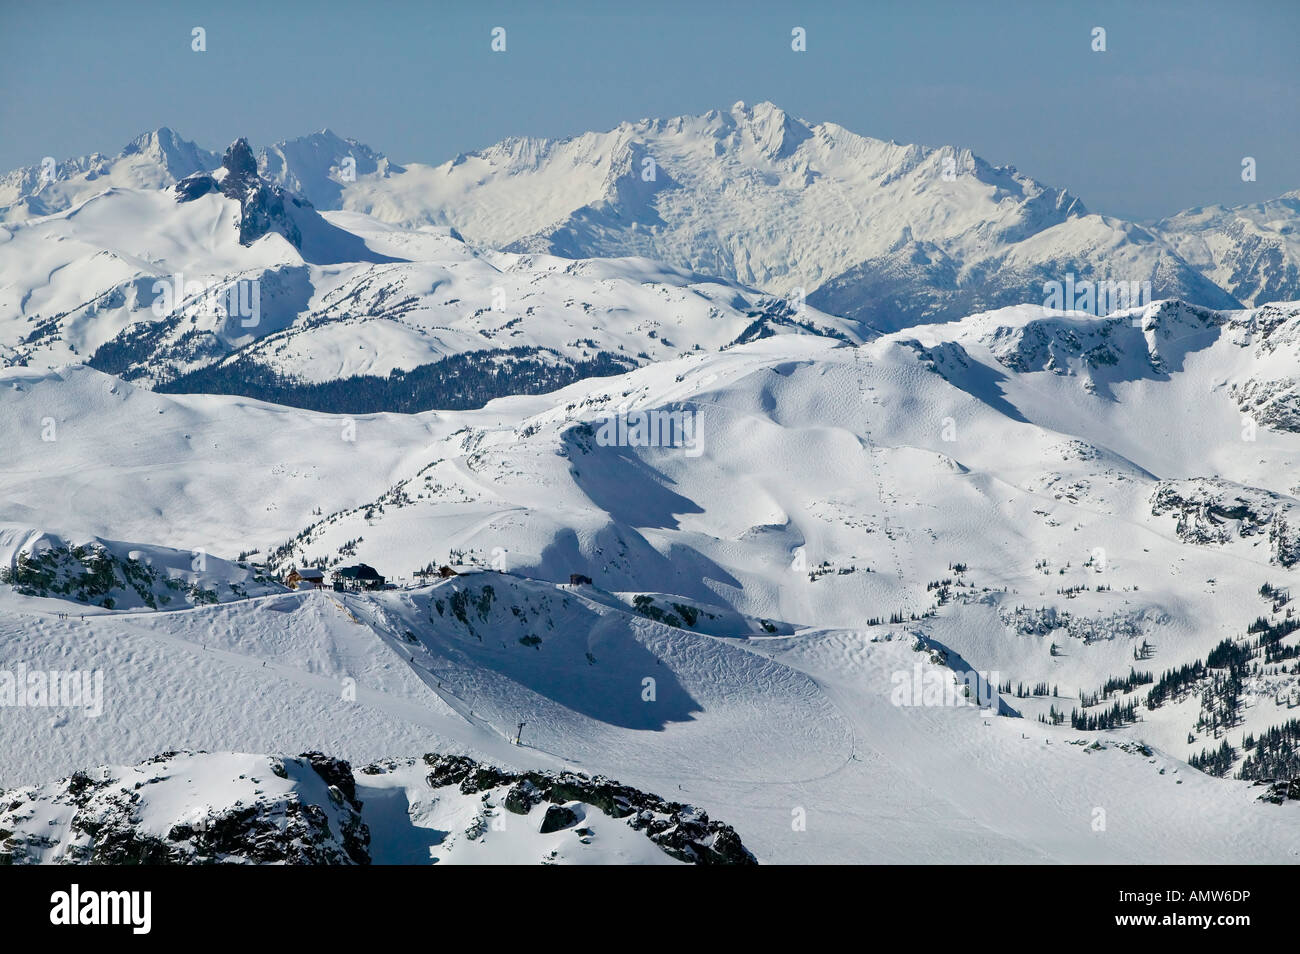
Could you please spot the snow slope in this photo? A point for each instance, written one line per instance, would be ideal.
(89, 454)
(139, 284)
(1027, 489)
(872, 781)
(831, 532)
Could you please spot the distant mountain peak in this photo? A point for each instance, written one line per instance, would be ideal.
(889, 233)
(776, 134)
(262, 204)
(178, 156)
(266, 206)
(751, 193)
(318, 165)
(153, 160)
(240, 162)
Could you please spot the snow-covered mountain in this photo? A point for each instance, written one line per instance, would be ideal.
(891, 234)
(311, 166)
(1250, 251)
(320, 165)
(885, 233)
(231, 283)
(695, 454)
(154, 160)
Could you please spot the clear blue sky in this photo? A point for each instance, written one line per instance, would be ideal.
(1158, 123)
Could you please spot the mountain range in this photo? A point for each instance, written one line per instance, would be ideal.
(741, 459)
(886, 233)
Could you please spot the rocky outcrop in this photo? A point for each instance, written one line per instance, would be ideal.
(683, 831)
(184, 808)
(1215, 511)
(264, 207)
(1270, 394)
(1280, 791)
(299, 811)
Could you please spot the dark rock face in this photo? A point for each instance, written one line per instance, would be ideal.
(335, 772)
(684, 832)
(263, 205)
(1213, 511)
(1280, 791)
(1205, 521)
(557, 817)
(523, 797)
(449, 770)
(107, 822)
(240, 163)
(464, 772)
(192, 187)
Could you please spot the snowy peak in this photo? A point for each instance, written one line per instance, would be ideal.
(314, 166)
(320, 165)
(153, 160)
(266, 208)
(877, 231)
(262, 205)
(239, 162)
(1253, 250)
(773, 133)
(882, 232)
(179, 157)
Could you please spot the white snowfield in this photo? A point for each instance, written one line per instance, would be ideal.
(130, 279)
(1024, 482)
(796, 741)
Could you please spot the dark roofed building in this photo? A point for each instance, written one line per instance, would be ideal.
(309, 578)
(359, 577)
